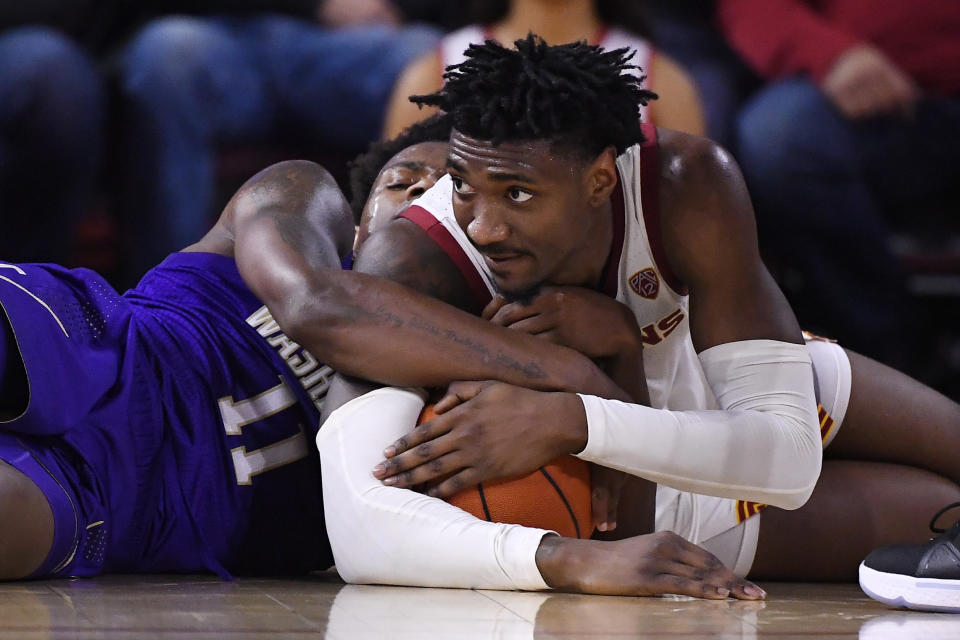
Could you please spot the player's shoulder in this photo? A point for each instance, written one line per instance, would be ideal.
(698, 177)
(287, 185)
(703, 199)
(195, 285)
(689, 160)
(689, 165)
(403, 252)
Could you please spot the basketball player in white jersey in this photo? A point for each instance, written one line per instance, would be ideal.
(611, 25)
(734, 412)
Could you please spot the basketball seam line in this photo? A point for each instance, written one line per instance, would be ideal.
(573, 516)
(483, 502)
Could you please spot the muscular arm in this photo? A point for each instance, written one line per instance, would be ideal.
(764, 444)
(710, 237)
(401, 252)
(289, 224)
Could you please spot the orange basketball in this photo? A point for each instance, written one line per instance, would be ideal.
(556, 496)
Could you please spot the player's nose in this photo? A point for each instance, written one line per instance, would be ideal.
(487, 226)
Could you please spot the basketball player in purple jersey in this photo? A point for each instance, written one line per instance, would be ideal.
(169, 429)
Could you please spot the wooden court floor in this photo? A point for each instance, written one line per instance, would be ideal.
(320, 606)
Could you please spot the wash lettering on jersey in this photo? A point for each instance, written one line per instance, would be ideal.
(314, 376)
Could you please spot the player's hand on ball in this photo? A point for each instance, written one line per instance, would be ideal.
(594, 324)
(646, 565)
(499, 432)
(459, 392)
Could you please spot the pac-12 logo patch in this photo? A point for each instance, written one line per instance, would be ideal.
(645, 283)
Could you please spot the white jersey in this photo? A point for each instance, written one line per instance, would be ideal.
(453, 46)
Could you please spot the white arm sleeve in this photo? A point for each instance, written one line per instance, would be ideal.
(764, 445)
(385, 535)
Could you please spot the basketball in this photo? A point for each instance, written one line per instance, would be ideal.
(556, 496)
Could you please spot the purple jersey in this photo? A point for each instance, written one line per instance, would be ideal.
(176, 422)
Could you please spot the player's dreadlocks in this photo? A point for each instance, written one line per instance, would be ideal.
(576, 95)
(365, 168)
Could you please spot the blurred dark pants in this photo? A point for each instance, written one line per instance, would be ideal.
(825, 189)
(190, 85)
(721, 78)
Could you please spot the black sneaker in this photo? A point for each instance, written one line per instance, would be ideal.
(917, 576)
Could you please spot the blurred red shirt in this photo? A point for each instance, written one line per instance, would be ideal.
(786, 37)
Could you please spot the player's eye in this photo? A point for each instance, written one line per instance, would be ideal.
(516, 194)
(398, 186)
(460, 186)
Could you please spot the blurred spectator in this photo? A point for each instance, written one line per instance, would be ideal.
(858, 123)
(51, 126)
(247, 71)
(685, 30)
(610, 23)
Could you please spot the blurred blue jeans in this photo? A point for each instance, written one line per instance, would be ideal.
(51, 141)
(191, 84)
(721, 78)
(825, 190)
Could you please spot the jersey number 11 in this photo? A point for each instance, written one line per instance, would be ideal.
(239, 414)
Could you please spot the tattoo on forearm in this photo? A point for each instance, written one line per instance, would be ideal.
(530, 370)
(402, 253)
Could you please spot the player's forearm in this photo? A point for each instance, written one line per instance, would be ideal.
(385, 535)
(762, 445)
(626, 370)
(372, 328)
(375, 329)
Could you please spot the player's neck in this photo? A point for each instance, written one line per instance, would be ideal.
(604, 242)
(585, 267)
(556, 22)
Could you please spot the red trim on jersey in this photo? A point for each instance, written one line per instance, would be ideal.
(612, 268)
(826, 423)
(439, 234)
(650, 194)
(746, 510)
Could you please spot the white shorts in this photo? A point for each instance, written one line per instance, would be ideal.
(729, 528)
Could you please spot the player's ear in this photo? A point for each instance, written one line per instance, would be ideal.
(602, 176)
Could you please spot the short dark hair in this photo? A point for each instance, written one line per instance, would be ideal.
(365, 168)
(575, 95)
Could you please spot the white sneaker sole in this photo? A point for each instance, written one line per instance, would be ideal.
(922, 594)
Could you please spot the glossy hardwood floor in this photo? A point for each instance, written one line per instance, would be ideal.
(320, 606)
